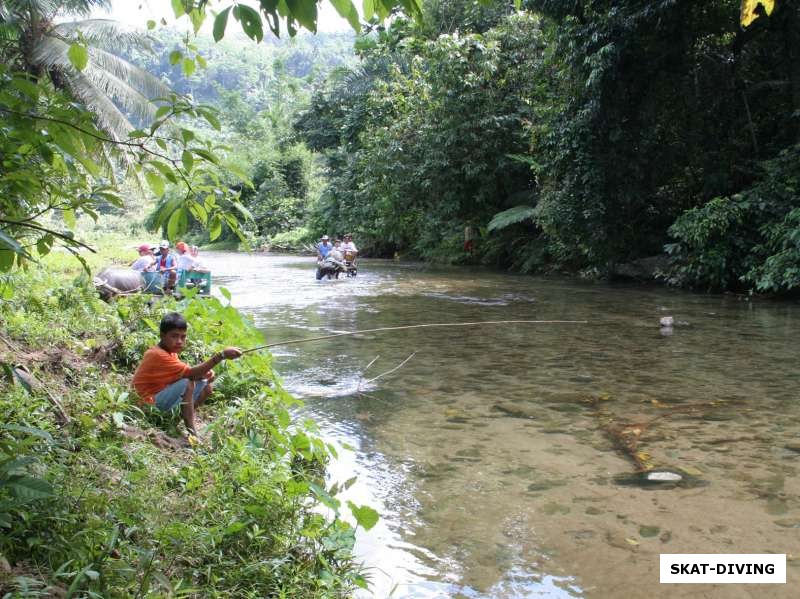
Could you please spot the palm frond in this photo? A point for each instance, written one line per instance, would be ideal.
(51, 53)
(109, 117)
(146, 83)
(129, 86)
(41, 7)
(81, 7)
(103, 33)
(129, 98)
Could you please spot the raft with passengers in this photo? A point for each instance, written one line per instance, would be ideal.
(336, 258)
(157, 271)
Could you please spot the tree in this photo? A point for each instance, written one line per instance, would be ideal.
(418, 139)
(63, 154)
(652, 120)
(75, 56)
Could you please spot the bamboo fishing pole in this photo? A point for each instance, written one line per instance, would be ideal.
(413, 326)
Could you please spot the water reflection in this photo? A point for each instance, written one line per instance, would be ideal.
(497, 456)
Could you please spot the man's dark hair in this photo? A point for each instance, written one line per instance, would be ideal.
(173, 321)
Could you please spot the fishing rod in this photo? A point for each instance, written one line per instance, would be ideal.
(412, 326)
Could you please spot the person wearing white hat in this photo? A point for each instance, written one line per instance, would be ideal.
(323, 248)
(167, 266)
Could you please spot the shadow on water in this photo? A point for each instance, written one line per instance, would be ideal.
(512, 461)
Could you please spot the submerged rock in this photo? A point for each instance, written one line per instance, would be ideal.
(517, 410)
(793, 447)
(660, 479)
(664, 475)
(648, 531)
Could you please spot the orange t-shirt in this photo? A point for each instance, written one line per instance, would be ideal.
(158, 370)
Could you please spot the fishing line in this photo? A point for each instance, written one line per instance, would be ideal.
(413, 326)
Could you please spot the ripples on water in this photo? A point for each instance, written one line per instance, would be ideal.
(488, 454)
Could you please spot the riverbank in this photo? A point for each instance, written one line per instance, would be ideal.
(101, 496)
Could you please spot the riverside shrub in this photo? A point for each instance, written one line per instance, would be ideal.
(97, 508)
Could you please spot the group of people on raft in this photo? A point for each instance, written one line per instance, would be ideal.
(169, 265)
(340, 255)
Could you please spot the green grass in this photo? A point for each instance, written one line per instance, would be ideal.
(97, 509)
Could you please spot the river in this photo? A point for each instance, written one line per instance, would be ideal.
(503, 458)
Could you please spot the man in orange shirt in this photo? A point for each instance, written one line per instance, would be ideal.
(164, 381)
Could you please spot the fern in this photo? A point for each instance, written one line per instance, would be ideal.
(512, 216)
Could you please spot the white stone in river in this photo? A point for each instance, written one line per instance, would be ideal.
(663, 476)
(667, 321)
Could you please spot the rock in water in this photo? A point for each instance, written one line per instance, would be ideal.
(663, 476)
(666, 321)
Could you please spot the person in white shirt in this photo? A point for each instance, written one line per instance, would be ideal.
(336, 251)
(349, 248)
(146, 261)
(185, 260)
(198, 264)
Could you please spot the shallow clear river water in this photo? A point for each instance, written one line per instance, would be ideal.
(503, 459)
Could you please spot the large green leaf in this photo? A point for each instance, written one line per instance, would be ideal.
(177, 224)
(199, 212)
(188, 160)
(369, 9)
(512, 216)
(78, 55)
(188, 67)
(206, 155)
(178, 8)
(324, 497)
(155, 182)
(11, 243)
(250, 20)
(304, 12)
(346, 9)
(220, 23)
(165, 170)
(28, 488)
(364, 515)
(214, 228)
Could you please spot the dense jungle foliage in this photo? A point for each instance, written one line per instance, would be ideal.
(580, 135)
(655, 138)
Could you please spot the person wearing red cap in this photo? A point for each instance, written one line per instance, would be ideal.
(146, 261)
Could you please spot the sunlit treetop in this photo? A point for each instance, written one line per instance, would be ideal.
(753, 9)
